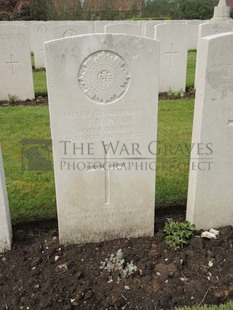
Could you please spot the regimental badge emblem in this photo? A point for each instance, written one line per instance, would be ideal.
(104, 77)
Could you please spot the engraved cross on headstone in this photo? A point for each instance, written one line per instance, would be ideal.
(107, 177)
(171, 54)
(12, 63)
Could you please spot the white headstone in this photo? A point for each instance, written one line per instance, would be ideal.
(100, 24)
(71, 29)
(125, 28)
(195, 22)
(173, 56)
(149, 28)
(208, 30)
(100, 92)
(15, 63)
(193, 29)
(175, 21)
(5, 222)
(26, 24)
(210, 196)
(31, 33)
(42, 32)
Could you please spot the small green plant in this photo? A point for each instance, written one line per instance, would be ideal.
(191, 91)
(13, 98)
(178, 234)
(171, 93)
(180, 93)
(116, 263)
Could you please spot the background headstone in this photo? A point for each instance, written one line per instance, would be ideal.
(175, 21)
(42, 32)
(210, 195)
(193, 30)
(5, 222)
(15, 63)
(149, 28)
(71, 29)
(100, 24)
(31, 32)
(208, 30)
(125, 28)
(173, 56)
(99, 90)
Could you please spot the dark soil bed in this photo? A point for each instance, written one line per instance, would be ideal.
(166, 96)
(41, 274)
(41, 100)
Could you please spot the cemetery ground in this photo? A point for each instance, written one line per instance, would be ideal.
(41, 274)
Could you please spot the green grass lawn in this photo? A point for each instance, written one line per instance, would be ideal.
(228, 306)
(191, 69)
(39, 78)
(40, 85)
(31, 193)
(174, 137)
